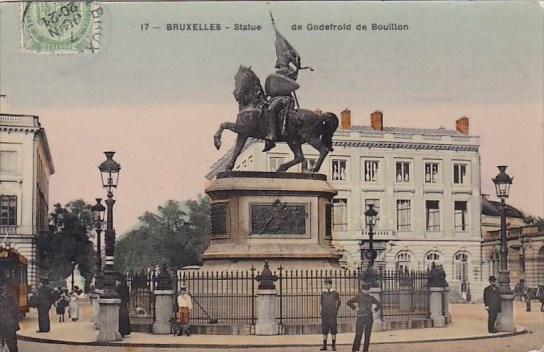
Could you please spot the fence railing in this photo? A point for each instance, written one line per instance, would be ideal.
(141, 305)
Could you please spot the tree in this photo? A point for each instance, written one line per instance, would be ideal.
(68, 241)
(537, 221)
(176, 234)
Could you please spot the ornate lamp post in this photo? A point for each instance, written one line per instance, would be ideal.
(502, 186)
(109, 170)
(98, 211)
(72, 281)
(370, 276)
(505, 321)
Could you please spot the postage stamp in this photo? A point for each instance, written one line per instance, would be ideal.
(60, 27)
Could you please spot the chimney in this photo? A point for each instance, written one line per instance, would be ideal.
(345, 117)
(461, 125)
(376, 120)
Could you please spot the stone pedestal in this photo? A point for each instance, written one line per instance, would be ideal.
(266, 313)
(109, 320)
(505, 319)
(164, 304)
(377, 325)
(446, 298)
(282, 217)
(436, 306)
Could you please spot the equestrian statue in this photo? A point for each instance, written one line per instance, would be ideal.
(272, 114)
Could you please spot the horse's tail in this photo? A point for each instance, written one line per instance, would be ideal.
(330, 124)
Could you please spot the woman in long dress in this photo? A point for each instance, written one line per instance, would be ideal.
(73, 306)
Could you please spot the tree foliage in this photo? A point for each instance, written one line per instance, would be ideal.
(68, 241)
(176, 234)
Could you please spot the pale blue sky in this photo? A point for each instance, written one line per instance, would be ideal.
(480, 59)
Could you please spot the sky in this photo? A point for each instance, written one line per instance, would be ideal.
(156, 97)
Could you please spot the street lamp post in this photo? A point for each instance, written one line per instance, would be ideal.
(109, 303)
(505, 321)
(502, 186)
(73, 268)
(98, 211)
(370, 275)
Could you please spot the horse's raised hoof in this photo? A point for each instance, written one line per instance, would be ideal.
(268, 145)
(217, 142)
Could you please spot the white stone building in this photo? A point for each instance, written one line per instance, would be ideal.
(25, 168)
(425, 184)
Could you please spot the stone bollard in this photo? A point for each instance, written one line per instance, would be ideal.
(164, 305)
(446, 298)
(266, 312)
(505, 319)
(377, 325)
(438, 310)
(108, 320)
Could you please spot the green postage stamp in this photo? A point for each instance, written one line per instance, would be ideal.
(60, 27)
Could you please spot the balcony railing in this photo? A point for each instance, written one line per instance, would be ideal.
(8, 230)
(381, 234)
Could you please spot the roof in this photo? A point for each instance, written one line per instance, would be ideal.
(27, 123)
(408, 130)
(492, 208)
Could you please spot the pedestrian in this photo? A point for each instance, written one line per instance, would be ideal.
(9, 314)
(492, 302)
(124, 295)
(185, 305)
(330, 303)
(44, 302)
(60, 306)
(73, 306)
(364, 303)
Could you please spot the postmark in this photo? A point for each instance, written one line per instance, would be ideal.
(60, 27)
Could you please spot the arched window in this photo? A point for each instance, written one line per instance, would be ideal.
(430, 258)
(403, 261)
(460, 267)
(494, 262)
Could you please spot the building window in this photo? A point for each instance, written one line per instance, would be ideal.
(308, 165)
(403, 261)
(432, 215)
(494, 262)
(370, 170)
(9, 162)
(275, 162)
(339, 170)
(8, 210)
(340, 214)
(431, 173)
(460, 214)
(403, 215)
(376, 203)
(460, 267)
(402, 172)
(459, 173)
(431, 258)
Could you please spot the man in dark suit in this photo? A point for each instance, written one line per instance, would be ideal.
(492, 302)
(44, 302)
(363, 302)
(9, 314)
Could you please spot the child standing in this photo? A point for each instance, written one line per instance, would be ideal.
(60, 306)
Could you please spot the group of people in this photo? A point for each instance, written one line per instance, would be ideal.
(63, 299)
(363, 302)
(60, 299)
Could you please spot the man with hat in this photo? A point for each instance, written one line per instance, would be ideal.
(44, 301)
(9, 314)
(185, 305)
(330, 303)
(492, 302)
(364, 302)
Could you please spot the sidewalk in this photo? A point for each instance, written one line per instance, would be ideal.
(469, 322)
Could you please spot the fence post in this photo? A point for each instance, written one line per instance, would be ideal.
(436, 304)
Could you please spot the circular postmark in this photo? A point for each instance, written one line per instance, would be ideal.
(59, 27)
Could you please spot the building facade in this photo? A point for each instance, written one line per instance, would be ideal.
(25, 168)
(525, 254)
(424, 183)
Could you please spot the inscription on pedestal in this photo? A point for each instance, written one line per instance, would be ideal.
(278, 218)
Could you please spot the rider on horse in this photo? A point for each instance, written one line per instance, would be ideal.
(280, 87)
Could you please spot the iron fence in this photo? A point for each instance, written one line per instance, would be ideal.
(404, 295)
(141, 305)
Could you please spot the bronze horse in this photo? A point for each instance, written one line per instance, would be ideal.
(302, 126)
